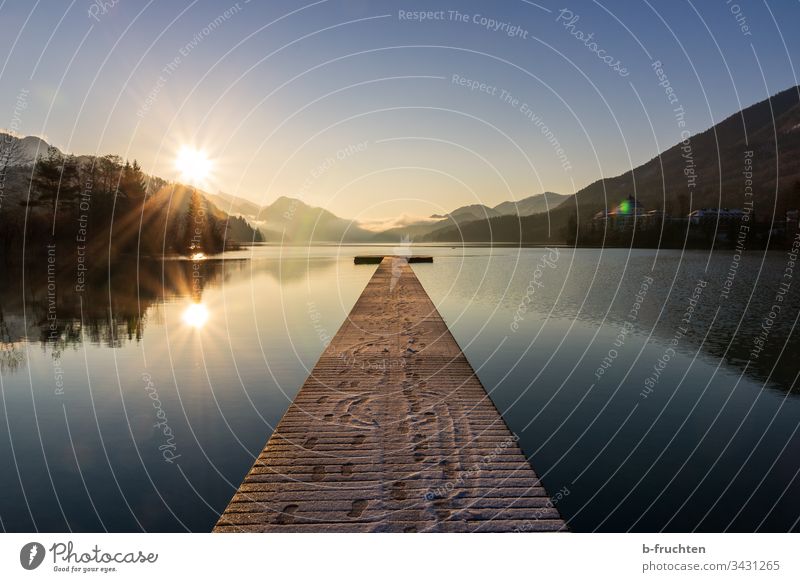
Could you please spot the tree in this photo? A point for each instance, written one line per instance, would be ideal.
(10, 153)
(570, 230)
(109, 172)
(193, 227)
(202, 231)
(9, 156)
(133, 183)
(56, 178)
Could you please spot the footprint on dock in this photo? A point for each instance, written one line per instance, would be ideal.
(310, 442)
(347, 469)
(398, 490)
(287, 515)
(321, 399)
(318, 474)
(443, 513)
(359, 505)
(448, 469)
(359, 439)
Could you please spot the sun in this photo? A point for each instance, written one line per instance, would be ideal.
(193, 165)
(196, 315)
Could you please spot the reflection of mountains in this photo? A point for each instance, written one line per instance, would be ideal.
(735, 322)
(292, 270)
(114, 304)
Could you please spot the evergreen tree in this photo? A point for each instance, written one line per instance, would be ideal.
(56, 178)
(571, 230)
(109, 168)
(193, 225)
(133, 183)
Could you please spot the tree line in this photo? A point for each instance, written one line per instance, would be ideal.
(104, 205)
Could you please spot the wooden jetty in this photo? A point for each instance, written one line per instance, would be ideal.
(391, 432)
(376, 259)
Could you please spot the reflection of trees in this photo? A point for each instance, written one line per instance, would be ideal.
(114, 305)
(111, 309)
(733, 328)
(11, 357)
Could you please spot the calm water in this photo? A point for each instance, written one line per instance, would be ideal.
(630, 376)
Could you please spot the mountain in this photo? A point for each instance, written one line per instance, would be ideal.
(416, 230)
(234, 205)
(761, 143)
(455, 220)
(21, 151)
(706, 171)
(544, 202)
(471, 212)
(292, 221)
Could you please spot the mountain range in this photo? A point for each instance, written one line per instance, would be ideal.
(290, 220)
(706, 170)
(758, 147)
(760, 144)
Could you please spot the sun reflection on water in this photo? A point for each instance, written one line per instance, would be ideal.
(195, 315)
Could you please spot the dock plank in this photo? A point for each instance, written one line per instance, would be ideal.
(392, 431)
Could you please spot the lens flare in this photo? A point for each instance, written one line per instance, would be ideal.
(196, 315)
(193, 165)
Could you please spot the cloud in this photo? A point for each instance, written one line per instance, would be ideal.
(381, 224)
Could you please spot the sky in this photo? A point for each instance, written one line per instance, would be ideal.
(366, 109)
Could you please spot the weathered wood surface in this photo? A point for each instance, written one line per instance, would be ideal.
(392, 431)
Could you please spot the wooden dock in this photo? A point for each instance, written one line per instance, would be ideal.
(391, 432)
(376, 259)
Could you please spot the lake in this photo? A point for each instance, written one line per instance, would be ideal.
(653, 390)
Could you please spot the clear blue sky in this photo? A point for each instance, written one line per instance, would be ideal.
(273, 91)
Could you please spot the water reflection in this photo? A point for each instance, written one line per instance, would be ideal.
(119, 300)
(198, 358)
(598, 289)
(222, 345)
(195, 315)
(710, 445)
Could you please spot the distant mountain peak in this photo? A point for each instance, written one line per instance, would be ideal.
(27, 148)
(535, 204)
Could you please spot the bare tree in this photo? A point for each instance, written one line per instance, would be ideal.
(10, 155)
(10, 151)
